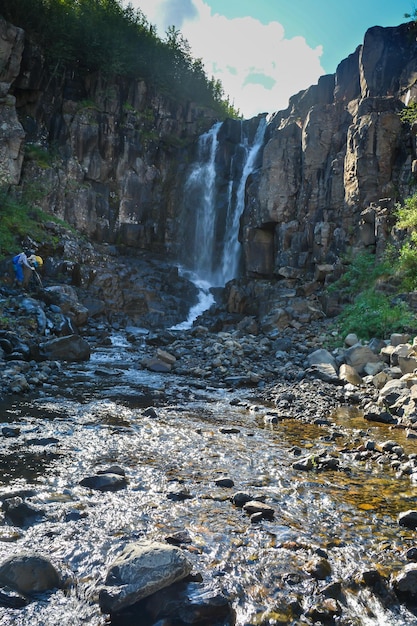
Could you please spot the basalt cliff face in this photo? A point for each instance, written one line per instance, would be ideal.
(332, 166)
(105, 155)
(335, 162)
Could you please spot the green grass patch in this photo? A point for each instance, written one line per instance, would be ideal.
(373, 314)
(19, 218)
(361, 271)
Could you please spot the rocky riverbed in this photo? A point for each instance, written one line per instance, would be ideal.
(226, 474)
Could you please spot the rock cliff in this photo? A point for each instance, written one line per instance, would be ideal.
(106, 156)
(335, 162)
(111, 157)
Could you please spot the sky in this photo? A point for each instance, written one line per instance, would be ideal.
(265, 51)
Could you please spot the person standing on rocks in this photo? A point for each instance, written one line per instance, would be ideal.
(22, 269)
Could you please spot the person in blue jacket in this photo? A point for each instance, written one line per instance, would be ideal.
(22, 269)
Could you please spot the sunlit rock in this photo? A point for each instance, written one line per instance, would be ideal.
(408, 519)
(348, 374)
(140, 570)
(104, 482)
(351, 339)
(255, 506)
(322, 356)
(358, 356)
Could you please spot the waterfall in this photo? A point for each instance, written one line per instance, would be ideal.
(214, 198)
(200, 192)
(231, 248)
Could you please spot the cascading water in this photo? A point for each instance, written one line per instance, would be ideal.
(200, 193)
(231, 247)
(214, 198)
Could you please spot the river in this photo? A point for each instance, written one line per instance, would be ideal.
(95, 417)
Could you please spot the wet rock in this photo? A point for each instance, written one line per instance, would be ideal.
(150, 412)
(104, 482)
(318, 567)
(375, 414)
(42, 441)
(141, 569)
(332, 590)
(191, 604)
(20, 513)
(256, 507)
(411, 554)
(405, 583)
(224, 482)
(113, 469)
(306, 464)
(12, 599)
(19, 384)
(32, 307)
(10, 431)
(178, 538)
(29, 573)
(179, 496)
(155, 364)
(166, 357)
(240, 498)
(66, 298)
(408, 519)
(325, 611)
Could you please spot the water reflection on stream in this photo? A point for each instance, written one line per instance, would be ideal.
(95, 419)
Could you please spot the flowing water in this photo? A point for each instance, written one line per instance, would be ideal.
(94, 419)
(214, 202)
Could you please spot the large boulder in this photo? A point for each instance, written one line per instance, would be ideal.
(69, 348)
(29, 573)
(66, 298)
(139, 571)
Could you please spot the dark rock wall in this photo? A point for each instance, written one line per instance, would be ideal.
(107, 156)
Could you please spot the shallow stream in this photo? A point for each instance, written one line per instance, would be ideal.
(95, 418)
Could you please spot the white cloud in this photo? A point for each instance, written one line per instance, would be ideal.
(258, 67)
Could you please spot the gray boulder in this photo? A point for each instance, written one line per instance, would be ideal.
(104, 482)
(322, 356)
(139, 571)
(29, 573)
(359, 356)
(69, 348)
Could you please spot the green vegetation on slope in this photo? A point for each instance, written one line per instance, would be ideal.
(374, 287)
(102, 35)
(18, 217)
